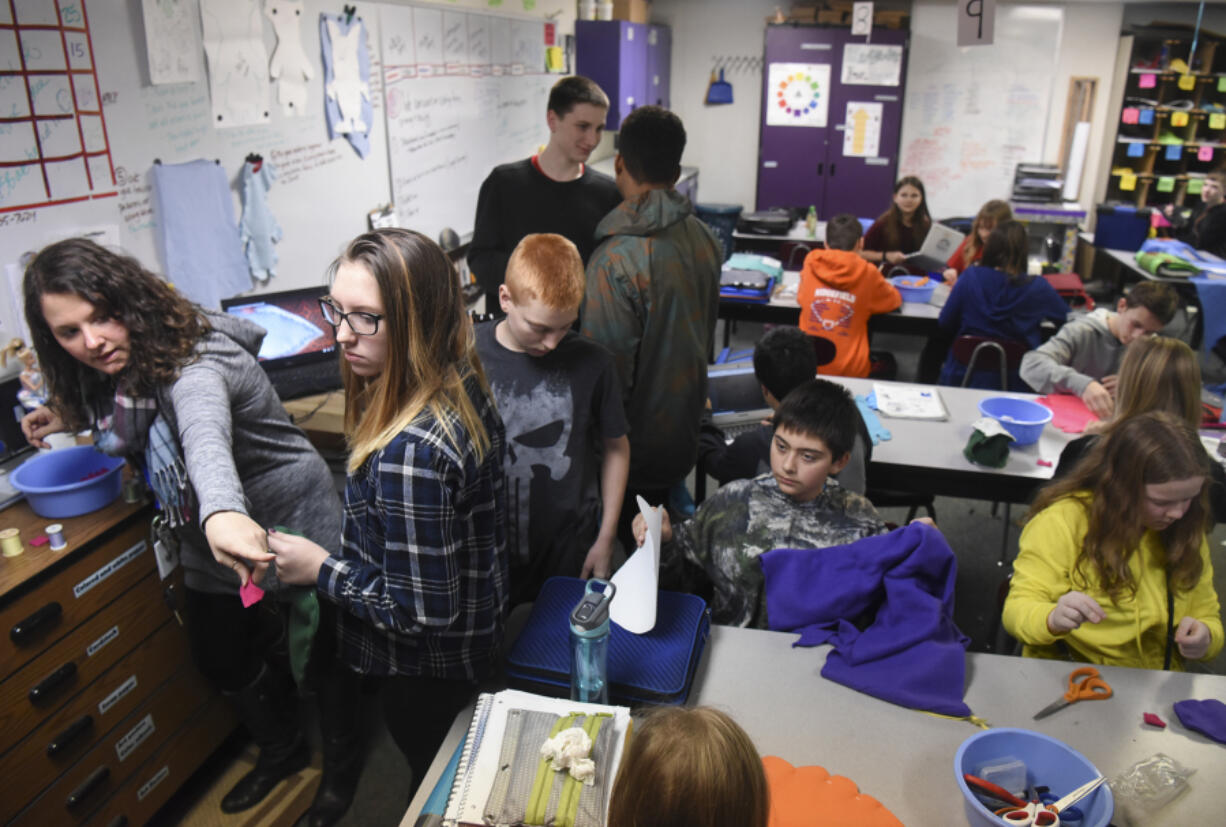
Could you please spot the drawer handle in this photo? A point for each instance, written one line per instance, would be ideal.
(70, 734)
(120, 820)
(96, 779)
(44, 688)
(24, 630)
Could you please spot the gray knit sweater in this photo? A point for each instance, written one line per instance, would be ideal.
(242, 452)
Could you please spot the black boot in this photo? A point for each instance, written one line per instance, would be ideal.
(268, 708)
(340, 725)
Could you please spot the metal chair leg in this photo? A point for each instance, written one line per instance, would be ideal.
(1004, 539)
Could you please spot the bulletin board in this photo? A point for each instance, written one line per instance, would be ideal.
(972, 114)
(90, 124)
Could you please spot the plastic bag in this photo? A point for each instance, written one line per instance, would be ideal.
(1146, 787)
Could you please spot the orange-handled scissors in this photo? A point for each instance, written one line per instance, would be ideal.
(1090, 687)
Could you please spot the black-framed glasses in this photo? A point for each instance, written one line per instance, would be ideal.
(360, 322)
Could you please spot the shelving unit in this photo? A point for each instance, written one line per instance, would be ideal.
(1171, 129)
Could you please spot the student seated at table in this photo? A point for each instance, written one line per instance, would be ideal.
(1114, 561)
(1083, 356)
(796, 505)
(998, 299)
(990, 216)
(558, 395)
(901, 229)
(1158, 374)
(838, 293)
(689, 766)
(1204, 226)
(782, 359)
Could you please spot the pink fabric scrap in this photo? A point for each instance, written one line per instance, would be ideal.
(1069, 413)
(250, 594)
(1046, 463)
(1154, 720)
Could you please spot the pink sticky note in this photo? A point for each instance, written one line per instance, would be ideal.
(1131, 114)
(250, 594)
(1147, 81)
(1205, 153)
(1069, 413)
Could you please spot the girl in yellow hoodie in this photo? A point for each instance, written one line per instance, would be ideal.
(1113, 565)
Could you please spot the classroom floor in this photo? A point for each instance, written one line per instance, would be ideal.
(971, 530)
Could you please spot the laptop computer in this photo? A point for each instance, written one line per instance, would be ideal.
(299, 352)
(736, 398)
(938, 246)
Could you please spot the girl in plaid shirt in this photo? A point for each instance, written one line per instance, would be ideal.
(421, 576)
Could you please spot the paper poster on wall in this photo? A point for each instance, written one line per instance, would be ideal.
(861, 18)
(800, 94)
(290, 67)
(347, 101)
(171, 41)
(862, 130)
(867, 65)
(234, 44)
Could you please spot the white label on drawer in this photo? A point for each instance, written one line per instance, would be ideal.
(116, 696)
(886, 98)
(150, 785)
(109, 569)
(107, 636)
(877, 162)
(770, 164)
(135, 737)
(821, 47)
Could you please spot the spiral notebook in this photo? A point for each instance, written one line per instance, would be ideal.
(478, 766)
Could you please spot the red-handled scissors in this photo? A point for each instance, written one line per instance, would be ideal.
(1035, 814)
(1090, 687)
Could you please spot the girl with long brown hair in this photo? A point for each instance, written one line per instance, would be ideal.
(902, 228)
(990, 216)
(1113, 566)
(421, 575)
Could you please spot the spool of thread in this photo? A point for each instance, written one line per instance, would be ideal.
(55, 533)
(10, 543)
(133, 490)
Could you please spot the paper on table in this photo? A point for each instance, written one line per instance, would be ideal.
(638, 581)
(909, 401)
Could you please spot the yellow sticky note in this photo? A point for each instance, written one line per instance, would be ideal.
(1128, 183)
(1217, 121)
(554, 61)
(1179, 119)
(1166, 184)
(1187, 82)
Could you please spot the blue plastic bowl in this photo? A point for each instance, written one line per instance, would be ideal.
(1048, 763)
(1021, 417)
(915, 294)
(67, 482)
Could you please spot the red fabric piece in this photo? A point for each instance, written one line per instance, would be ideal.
(250, 594)
(40, 540)
(1069, 413)
(1154, 720)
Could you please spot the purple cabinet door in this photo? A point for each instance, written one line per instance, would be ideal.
(659, 53)
(792, 159)
(614, 54)
(861, 185)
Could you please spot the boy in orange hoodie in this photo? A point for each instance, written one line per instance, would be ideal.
(838, 292)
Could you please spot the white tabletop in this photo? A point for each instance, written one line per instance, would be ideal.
(785, 296)
(904, 758)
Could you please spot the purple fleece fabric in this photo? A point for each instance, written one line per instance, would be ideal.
(911, 654)
(1206, 717)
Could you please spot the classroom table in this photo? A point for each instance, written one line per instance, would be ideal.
(926, 455)
(904, 758)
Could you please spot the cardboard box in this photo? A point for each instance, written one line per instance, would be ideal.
(636, 11)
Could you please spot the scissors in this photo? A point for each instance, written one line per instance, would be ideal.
(1036, 814)
(1091, 687)
(978, 785)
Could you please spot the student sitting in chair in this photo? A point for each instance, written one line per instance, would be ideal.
(1083, 357)
(796, 505)
(838, 293)
(969, 253)
(782, 360)
(999, 300)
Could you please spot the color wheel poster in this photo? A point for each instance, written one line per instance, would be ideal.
(799, 94)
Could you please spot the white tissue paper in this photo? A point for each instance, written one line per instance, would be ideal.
(638, 581)
(569, 750)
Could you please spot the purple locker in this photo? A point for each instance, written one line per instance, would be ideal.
(659, 56)
(614, 54)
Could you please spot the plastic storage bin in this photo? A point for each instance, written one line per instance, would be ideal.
(1121, 228)
(1021, 417)
(722, 219)
(69, 482)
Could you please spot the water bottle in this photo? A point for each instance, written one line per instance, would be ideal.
(811, 222)
(589, 644)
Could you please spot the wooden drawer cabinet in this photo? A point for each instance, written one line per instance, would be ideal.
(68, 734)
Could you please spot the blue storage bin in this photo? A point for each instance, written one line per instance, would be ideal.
(1021, 417)
(722, 219)
(69, 482)
(1121, 228)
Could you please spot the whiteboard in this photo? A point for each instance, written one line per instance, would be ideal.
(972, 114)
(450, 129)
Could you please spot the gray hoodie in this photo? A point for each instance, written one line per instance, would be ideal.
(1083, 351)
(242, 452)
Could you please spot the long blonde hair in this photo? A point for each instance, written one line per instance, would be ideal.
(995, 213)
(430, 350)
(1159, 373)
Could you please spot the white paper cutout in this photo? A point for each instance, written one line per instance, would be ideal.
(234, 44)
(638, 581)
(347, 87)
(171, 41)
(290, 67)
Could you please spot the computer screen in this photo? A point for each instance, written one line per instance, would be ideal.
(297, 332)
(734, 389)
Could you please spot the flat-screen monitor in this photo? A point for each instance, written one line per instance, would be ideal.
(299, 351)
(734, 388)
